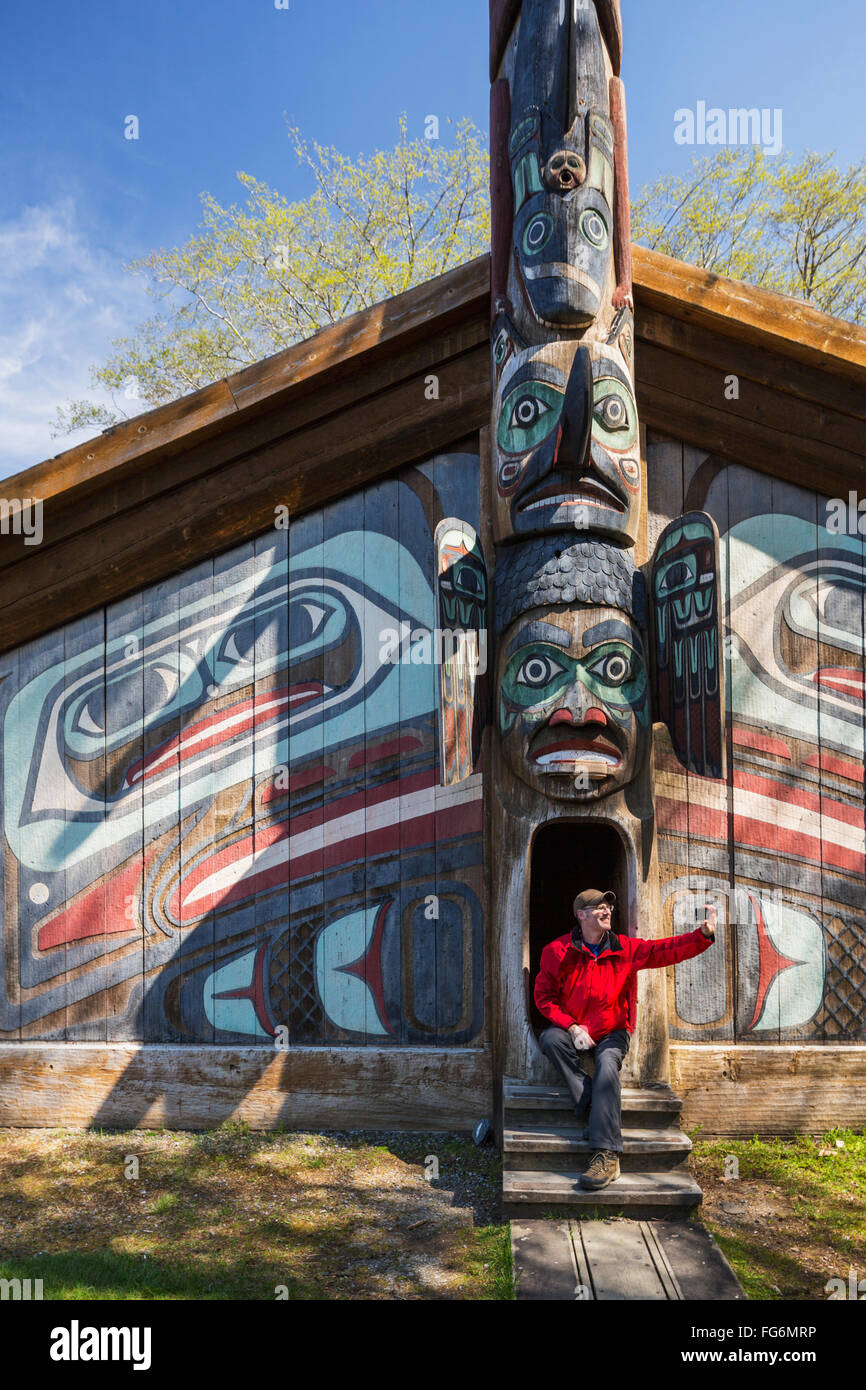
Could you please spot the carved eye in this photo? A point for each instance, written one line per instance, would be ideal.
(527, 412)
(521, 134)
(252, 640)
(678, 575)
(615, 669)
(829, 605)
(594, 228)
(537, 234)
(612, 413)
(469, 579)
(527, 416)
(306, 620)
(107, 714)
(538, 671)
(319, 620)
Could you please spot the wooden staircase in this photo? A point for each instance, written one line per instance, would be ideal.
(545, 1151)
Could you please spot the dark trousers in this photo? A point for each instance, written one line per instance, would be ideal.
(602, 1092)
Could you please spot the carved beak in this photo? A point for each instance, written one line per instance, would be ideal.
(575, 430)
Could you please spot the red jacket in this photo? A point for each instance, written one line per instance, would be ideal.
(573, 986)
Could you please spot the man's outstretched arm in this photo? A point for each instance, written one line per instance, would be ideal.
(670, 950)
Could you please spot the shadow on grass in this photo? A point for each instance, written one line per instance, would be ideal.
(112, 1275)
(231, 1211)
(472, 1175)
(759, 1268)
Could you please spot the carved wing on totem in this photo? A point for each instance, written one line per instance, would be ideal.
(687, 642)
(461, 606)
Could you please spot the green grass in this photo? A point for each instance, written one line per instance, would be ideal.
(492, 1263)
(809, 1199)
(237, 1214)
(113, 1275)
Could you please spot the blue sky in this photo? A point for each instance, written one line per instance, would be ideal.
(210, 82)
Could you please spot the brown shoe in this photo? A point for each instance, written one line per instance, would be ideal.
(603, 1169)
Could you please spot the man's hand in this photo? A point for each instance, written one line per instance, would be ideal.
(708, 927)
(580, 1037)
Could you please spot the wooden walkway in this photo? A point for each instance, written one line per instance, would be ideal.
(581, 1261)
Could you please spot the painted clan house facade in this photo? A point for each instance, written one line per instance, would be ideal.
(321, 700)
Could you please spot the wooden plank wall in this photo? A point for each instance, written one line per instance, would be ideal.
(315, 423)
(781, 846)
(762, 1088)
(195, 1087)
(221, 812)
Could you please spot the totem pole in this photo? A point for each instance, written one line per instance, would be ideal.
(591, 649)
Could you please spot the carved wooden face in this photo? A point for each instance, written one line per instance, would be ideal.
(562, 246)
(561, 150)
(574, 701)
(567, 449)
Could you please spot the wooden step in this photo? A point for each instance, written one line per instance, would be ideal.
(550, 1106)
(622, 1260)
(530, 1147)
(569, 1261)
(638, 1195)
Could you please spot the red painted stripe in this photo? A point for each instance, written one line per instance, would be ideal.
(411, 832)
(788, 794)
(101, 912)
(798, 796)
(713, 825)
(405, 834)
(842, 678)
(839, 767)
(383, 751)
(673, 815)
(773, 746)
(261, 710)
(297, 782)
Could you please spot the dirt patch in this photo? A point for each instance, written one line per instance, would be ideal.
(794, 1218)
(233, 1214)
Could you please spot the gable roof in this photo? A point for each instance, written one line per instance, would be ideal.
(156, 494)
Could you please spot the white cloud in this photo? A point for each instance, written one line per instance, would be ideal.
(62, 302)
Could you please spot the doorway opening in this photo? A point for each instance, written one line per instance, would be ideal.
(566, 859)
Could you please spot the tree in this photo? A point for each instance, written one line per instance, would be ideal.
(259, 277)
(793, 225)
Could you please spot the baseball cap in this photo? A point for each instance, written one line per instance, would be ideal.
(593, 897)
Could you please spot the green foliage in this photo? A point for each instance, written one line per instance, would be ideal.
(258, 277)
(793, 225)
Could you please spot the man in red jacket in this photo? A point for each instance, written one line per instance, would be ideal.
(587, 988)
